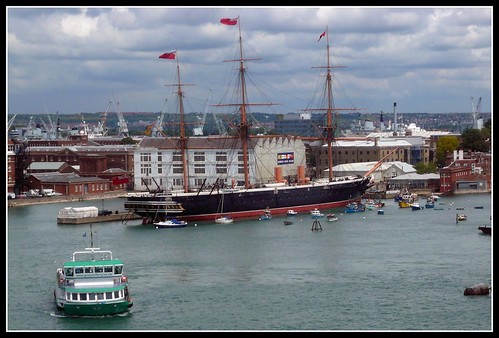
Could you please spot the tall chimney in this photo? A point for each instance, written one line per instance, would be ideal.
(395, 128)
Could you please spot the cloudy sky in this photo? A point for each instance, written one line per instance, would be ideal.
(75, 59)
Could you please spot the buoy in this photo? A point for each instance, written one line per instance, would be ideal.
(476, 290)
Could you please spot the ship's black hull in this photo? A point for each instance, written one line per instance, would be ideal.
(252, 202)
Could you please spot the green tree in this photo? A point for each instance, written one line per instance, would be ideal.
(445, 145)
(128, 140)
(474, 140)
(422, 168)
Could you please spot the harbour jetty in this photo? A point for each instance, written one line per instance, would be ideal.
(85, 215)
(19, 202)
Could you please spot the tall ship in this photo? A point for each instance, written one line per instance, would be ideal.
(247, 196)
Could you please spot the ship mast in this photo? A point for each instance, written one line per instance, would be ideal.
(330, 128)
(183, 137)
(244, 125)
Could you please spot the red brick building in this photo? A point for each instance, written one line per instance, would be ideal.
(467, 175)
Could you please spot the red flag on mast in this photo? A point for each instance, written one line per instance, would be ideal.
(170, 56)
(228, 21)
(322, 35)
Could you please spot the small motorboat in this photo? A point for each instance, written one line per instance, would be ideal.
(225, 219)
(291, 212)
(267, 215)
(416, 206)
(485, 229)
(381, 212)
(461, 217)
(316, 213)
(332, 217)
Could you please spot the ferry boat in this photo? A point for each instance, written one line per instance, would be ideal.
(92, 283)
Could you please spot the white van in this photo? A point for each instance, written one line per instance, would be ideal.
(48, 192)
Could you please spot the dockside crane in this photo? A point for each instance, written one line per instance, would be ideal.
(198, 131)
(122, 125)
(11, 121)
(476, 112)
(158, 127)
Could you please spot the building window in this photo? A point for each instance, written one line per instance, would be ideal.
(177, 182)
(177, 157)
(160, 168)
(199, 156)
(145, 169)
(178, 168)
(221, 169)
(199, 169)
(145, 157)
(160, 157)
(221, 156)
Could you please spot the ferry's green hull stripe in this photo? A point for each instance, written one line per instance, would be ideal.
(96, 309)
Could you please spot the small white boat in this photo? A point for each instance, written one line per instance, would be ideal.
(316, 213)
(170, 223)
(291, 212)
(332, 217)
(416, 206)
(224, 220)
(461, 217)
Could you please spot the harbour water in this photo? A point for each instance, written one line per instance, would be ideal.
(402, 271)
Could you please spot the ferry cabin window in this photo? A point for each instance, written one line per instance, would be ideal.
(98, 269)
(89, 269)
(108, 268)
(78, 270)
(68, 271)
(84, 297)
(118, 269)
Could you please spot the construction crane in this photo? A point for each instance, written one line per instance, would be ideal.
(11, 121)
(198, 131)
(475, 112)
(122, 125)
(158, 127)
(48, 130)
(101, 125)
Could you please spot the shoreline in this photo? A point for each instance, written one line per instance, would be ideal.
(64, 199)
